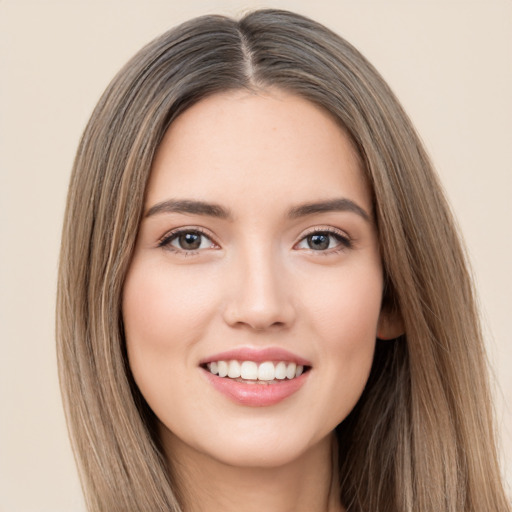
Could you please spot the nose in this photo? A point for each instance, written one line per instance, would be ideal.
(259, 294)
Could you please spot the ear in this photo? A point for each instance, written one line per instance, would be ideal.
(390, 324)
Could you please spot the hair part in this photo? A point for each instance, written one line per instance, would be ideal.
(421, 437)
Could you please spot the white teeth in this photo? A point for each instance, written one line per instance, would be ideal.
(223, 368)
(250, 370)
(290, 370)
(281, 370)
(234, 370)
(266, 371)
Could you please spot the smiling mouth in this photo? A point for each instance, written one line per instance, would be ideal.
(251, 372)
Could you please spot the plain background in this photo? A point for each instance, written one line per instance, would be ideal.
(450, 63)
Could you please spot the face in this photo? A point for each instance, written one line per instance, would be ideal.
(252, 304)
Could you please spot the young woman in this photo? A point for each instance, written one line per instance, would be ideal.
(263, 301)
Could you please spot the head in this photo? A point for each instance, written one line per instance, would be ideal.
(420, 411)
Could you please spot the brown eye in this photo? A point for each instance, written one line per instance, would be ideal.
(186, 241)
(318, 242)
(189, 241)
(324, 241)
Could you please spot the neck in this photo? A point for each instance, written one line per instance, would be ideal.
(307, 484)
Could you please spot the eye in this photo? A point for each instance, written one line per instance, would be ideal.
(324, 240)
(187, 240)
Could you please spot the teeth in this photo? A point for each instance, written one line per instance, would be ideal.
(249, 370)
(234, 370)
(266, 371)
(281, 370)
(290, 370)
(222, 368)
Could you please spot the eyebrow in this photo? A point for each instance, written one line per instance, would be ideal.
(191, 207)
(194, 207)
(331, 205)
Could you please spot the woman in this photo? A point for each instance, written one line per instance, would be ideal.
(263, 301)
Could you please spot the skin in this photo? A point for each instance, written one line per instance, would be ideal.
(255, 281)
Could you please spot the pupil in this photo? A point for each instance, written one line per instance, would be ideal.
(318, 242)
(190, 241)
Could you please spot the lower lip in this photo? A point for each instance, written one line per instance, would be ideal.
(256, 395)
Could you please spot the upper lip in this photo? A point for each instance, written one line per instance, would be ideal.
(258, 355)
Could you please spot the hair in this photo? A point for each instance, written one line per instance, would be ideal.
(421, 436)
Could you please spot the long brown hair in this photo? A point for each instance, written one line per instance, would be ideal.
(421, 437)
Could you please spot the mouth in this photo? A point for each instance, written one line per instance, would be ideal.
(256, 377)
(253, 372)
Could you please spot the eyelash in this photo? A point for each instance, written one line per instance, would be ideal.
(343, 240)
(165, 241)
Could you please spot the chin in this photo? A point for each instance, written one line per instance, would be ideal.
(260, 457)
(264, 447)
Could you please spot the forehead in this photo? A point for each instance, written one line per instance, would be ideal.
(261, 146)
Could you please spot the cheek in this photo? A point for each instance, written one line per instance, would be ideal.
(345, 316)
(164, 316)
(160, 307)
(345, 307)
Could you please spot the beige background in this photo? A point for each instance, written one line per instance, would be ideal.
(449, 61)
